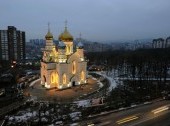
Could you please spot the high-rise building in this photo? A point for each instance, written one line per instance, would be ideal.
(12, 45)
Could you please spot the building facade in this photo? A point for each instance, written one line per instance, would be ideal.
(12, 45)
(161, 43)
(62, 66)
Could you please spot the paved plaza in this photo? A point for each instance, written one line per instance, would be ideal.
(66, 95)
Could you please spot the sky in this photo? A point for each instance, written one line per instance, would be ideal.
(96, 20)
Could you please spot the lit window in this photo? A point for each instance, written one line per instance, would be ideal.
(64, 78)
(54, 77)
(74, 67)
(82, 75)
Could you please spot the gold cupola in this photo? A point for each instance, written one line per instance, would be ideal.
(49, 35)
(65, 36)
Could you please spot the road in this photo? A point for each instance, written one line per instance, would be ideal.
(163, 120)
(155, 114)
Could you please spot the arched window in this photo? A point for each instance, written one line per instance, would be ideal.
(82, 76)
(64, 79)
(74, 67)
(54, 77)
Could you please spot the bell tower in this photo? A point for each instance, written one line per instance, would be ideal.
(80, 49)
(49, 46)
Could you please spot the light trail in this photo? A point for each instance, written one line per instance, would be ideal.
(127, 119)
(160, 109)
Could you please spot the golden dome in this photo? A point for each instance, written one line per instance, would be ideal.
(49, 35)
(65, 36)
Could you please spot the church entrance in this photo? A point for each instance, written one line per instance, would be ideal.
(73, 83)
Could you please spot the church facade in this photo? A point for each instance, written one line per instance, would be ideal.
(62, 66)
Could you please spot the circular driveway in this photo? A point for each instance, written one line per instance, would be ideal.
(66, 95)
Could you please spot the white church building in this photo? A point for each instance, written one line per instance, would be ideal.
(62, 66)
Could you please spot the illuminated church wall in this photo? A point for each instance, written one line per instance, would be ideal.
(61, 66)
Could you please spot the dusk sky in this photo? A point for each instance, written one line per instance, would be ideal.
(97, 20)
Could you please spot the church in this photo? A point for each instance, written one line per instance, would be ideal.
(62, 65)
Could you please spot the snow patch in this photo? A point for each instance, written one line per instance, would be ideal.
(100, 84)
(83, 103)
(110, 78)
